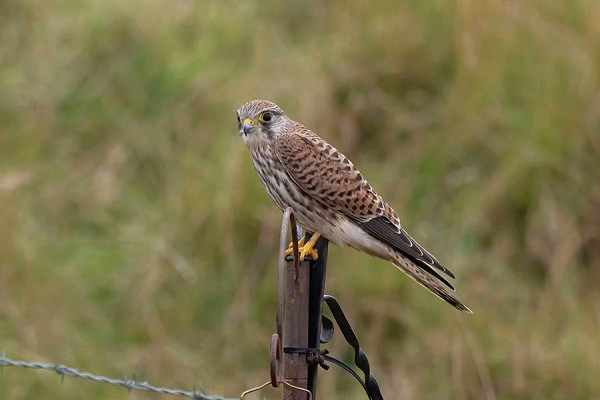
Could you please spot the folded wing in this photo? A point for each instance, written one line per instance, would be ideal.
(330, 178)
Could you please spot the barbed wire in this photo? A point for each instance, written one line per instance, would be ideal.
(130, 384)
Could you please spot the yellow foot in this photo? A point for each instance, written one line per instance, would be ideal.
(290, 249)
(305, 249)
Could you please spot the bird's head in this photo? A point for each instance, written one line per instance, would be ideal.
(261, 120)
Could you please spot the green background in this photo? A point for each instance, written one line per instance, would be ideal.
(135, 236)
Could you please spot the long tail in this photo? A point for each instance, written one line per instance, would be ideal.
(424, 279)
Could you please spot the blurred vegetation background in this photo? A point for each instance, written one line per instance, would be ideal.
(135, 236)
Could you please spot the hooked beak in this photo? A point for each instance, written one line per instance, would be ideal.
(247, 125)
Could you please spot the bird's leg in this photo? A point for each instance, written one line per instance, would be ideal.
(305, 249)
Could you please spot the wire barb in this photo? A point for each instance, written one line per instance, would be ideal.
(130, 384)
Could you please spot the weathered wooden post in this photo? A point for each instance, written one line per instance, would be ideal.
(301, 286)
(302, 324)
(295, 330)
(295, 348)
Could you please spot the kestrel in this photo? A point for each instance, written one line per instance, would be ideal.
(330, 197)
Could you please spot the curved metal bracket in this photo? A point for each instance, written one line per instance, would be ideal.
(288, 218)
(369, 384)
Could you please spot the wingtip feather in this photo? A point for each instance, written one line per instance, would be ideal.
(420, 276)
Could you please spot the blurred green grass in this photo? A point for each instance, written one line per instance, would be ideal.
(136, 237)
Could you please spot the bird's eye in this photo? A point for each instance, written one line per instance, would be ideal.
(265, 117)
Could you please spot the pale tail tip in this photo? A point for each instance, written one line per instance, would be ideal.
(464, 309)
